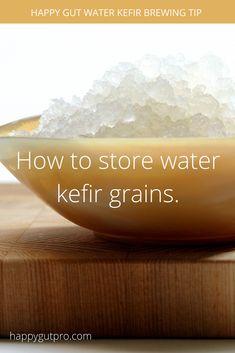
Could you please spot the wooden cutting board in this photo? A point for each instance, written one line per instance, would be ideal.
(58, 277)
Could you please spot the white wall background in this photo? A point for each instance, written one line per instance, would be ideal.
(40, 62)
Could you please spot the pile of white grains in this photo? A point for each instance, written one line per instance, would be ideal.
(153, 97)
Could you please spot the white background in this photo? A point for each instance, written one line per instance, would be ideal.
(124, 346)
(41, 62)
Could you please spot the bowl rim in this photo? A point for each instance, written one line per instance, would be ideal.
(85, 138)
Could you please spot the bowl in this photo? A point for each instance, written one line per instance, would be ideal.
(203, 205)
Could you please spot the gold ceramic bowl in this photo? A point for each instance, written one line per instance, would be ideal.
(204, 213)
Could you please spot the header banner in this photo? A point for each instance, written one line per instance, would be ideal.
(117, 11)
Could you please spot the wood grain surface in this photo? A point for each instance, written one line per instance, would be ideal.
(58, 277)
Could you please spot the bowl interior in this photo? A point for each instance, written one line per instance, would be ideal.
(27, 124)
